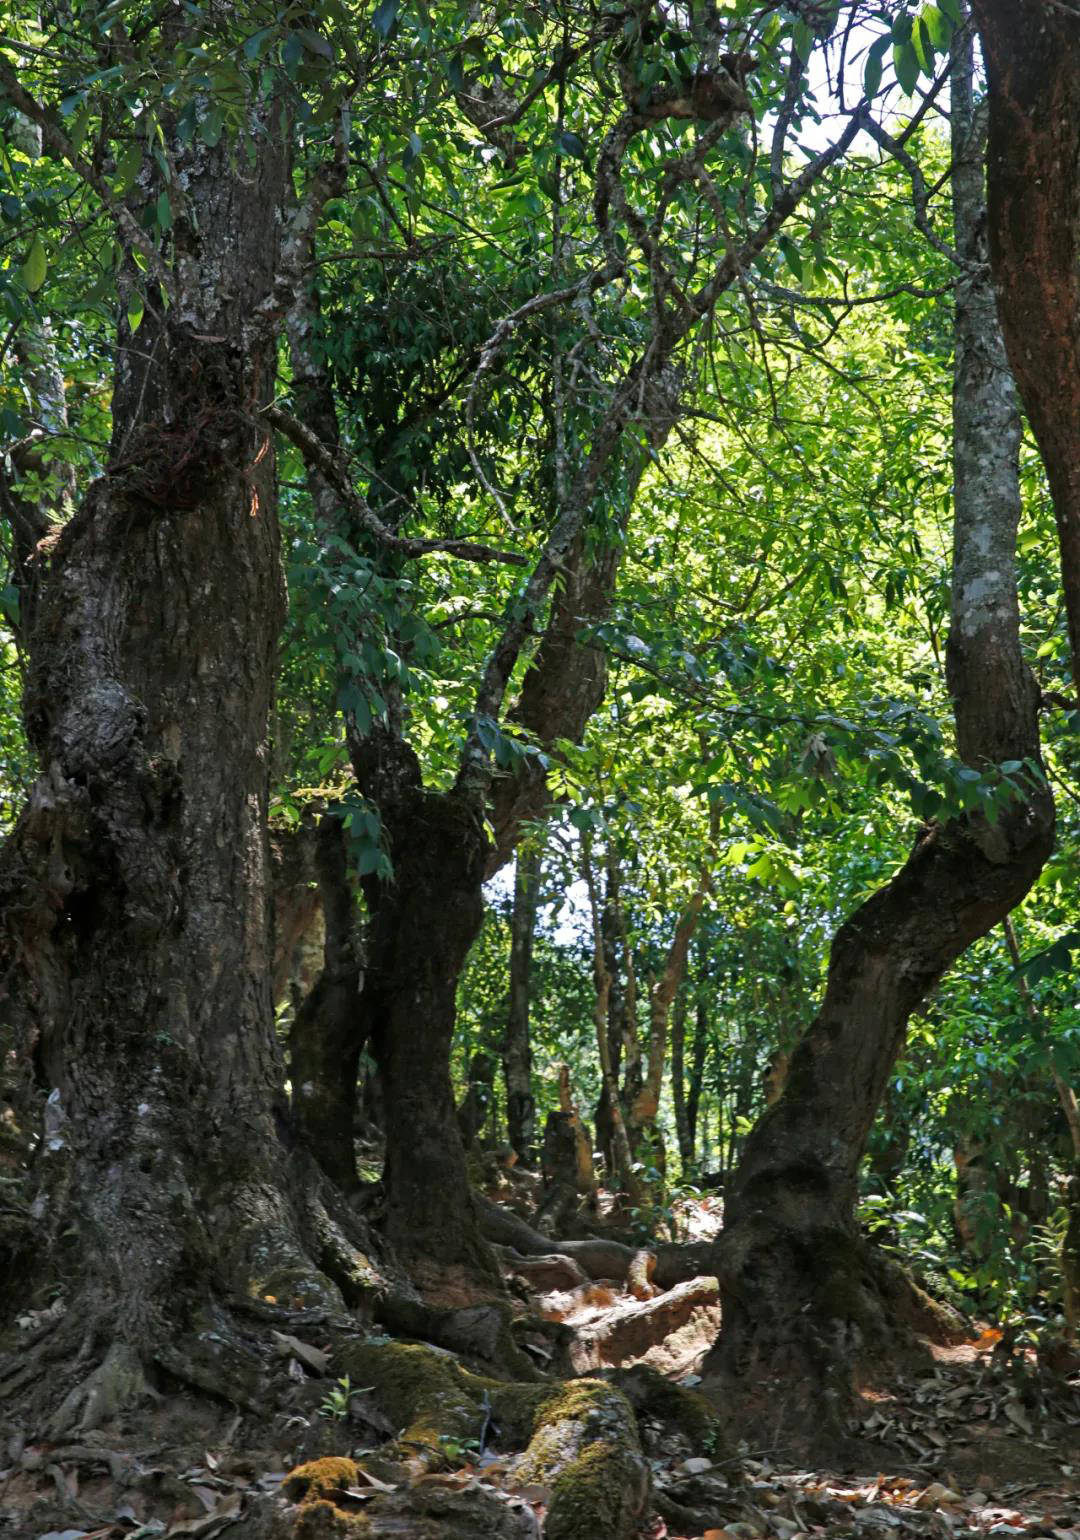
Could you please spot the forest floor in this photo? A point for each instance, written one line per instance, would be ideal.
(982, 1440)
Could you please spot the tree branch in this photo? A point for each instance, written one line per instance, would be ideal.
(329, 466)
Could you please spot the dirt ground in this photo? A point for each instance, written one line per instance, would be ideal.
(983, 1441)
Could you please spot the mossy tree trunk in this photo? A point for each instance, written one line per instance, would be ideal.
(799, 1298)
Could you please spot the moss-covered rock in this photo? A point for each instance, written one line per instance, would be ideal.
(309, 1482)
(582, 1436)
(437, 1406)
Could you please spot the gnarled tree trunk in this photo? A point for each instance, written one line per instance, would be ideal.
(799, 1297)
(135, 947)
(422, 922)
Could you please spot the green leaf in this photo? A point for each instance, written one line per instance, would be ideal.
(129, 164)
(938, 27)
(455, 74)
(803, 40)
(924, 48)
(164, 212)
(791, 256)
(36, 265)
(906, 65)
(9, 603)
(874, 59)
(386, 14)
(211, 126)
(366, 858)
(315, 43)
(253, 45)
(573, 144)
(135, 310)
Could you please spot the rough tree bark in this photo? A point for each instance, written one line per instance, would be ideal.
(1032, 53)
(799, 1299)
(135, 948)
(422, 923)
(517, 1049)
(324, 1045)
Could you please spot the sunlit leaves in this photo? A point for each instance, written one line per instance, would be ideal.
(35, 265)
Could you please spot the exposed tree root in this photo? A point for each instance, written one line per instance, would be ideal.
(632, 1329)
(596, 1256)
(113, 1385)
(575, 1447)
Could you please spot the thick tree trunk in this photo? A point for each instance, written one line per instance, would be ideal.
(422, 923)
(799, 1296)
(1032, 53)
(517, 1048)
(136, 937)
(324, 1042)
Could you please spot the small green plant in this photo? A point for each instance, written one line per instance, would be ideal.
(710, 1444)
(1046, 1248)
(456, 1449)
(336, 1402)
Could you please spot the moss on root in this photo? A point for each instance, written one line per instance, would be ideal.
(435, 1403)
(685, 1412)
(582, 1436)
(333, 1473)
(585, 1447)
(313, 1487)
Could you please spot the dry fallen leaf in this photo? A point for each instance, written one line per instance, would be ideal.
(936, 1494)
(313, 1358)
(1016, 1414)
